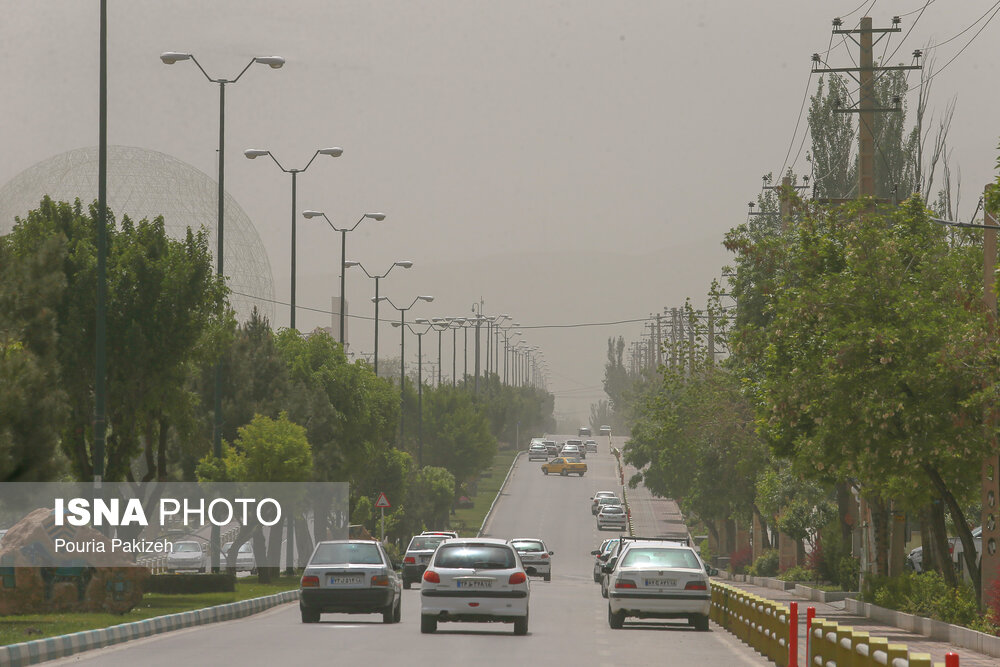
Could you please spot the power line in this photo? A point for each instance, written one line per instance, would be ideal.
(966, 29)
(791, 143)
(960, 51)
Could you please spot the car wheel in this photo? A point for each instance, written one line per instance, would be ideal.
(521, 625)
(700, 623)
(545, 471)
(406, 585)
(564, 472)
(597, 578)
(428, 624)
(388, 613)
(580, 473)
(604, 589)
(309, 615)
(548, 577)
(397, 615)
(616, 621)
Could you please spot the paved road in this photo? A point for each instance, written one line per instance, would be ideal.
(568, 615)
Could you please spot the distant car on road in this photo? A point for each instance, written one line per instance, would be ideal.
(186, 555)
(478, 580)
(584, 432)
(565, 466)
(350, 577)
(604, 430)
(590, 446)
(599, 495)
(600, 555)
(574, 448)
(245, 561)
(552, 446)
(417, 555)
(535, 556)
(612, 516)
(538, 451)
(605, 501)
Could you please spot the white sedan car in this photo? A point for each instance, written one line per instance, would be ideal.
(478, 580)
(657, 579)
(186, 555)
(612, 516)
(535, 556)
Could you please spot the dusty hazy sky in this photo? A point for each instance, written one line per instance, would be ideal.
(565, 161)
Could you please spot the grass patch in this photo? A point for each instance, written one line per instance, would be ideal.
(467, 521)
(28, 627)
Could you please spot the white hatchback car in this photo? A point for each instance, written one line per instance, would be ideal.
(478, 580)
(657, 579)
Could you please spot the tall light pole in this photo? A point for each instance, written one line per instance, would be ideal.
(100, 324)
(456, 323)
(438, 324)
(406, 264)
(402, 354)
(420, 386)
(253, 153)
(274, 62)
(378, 217)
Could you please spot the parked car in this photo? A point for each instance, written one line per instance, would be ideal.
(245, 561)
(584, 431)
(599, 495)
(590, 446)
(612, 516)
(538, 451)
(535, 556)
(604, 430)
(958, 550)
(350, 577)
(657, 579)
(418, 554)
(477, 580)
(565, 466)
(186, 555)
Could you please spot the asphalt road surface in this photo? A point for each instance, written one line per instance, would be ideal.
(568, 617)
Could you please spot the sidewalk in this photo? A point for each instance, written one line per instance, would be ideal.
(653, 517)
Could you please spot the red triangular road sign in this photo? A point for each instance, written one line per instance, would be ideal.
(382, 501)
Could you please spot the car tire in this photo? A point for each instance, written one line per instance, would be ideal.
(564, 472)
(388, 613)
(397, 615)
(616, 621)
(407, 584)
(428, 624)
(580, 474)
(521, 626)
(604, 589)
(309, 615)
(700, 623)
(545, 471)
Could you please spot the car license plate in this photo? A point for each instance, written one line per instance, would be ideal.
(661, 583)
(345, 580)
(474, 583)
(425, 559)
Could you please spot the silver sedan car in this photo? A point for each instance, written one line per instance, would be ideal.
(350, 577)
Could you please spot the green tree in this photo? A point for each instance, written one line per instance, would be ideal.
(456, 434)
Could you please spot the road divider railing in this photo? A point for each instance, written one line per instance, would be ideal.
(761, 624)
(834, 645)
(772, 630)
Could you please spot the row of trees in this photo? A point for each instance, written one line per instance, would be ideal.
(169, 324)
(862, 361)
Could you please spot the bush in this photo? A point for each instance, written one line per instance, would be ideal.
(705, 551)
(924, 595)
(185, 584)
(798, 573)
(738, 560)
(766, 564)
(848, 572)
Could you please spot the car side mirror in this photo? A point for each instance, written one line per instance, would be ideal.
(552, 553)
(595, 552)
(609, 568)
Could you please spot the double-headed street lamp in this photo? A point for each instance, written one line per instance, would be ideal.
(378, 217)
(420, 385)
(274, 62)
(253, 153)
(405, 264)
(438, 324)
(402, 352)
(457, 323)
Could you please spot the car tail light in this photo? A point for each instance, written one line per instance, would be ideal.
(624, 583)
(517, 578)
(696, 586)
(431, 577)
(310, 582)
(410, 560)
(545, 555)
(380, 580)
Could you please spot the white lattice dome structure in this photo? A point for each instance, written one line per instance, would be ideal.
(145, 184)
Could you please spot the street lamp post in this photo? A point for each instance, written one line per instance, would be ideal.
(274, 62)
(253, 153)
(378, 217)
(406, 264)
(402, 353)
(420, 386)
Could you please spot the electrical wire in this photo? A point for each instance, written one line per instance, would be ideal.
(791, 143)
(967, 28)
(844, 16)
(914, 11)
(960, 51)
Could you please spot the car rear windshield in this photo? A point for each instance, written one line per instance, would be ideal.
(529, 546)
(609, 500)
(426, 542)
(612, 509)
(661, 558)
(478, 556)
(346, 554)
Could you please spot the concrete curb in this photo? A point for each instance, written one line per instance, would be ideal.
(40, 650)
(489, 512)
(937, 630)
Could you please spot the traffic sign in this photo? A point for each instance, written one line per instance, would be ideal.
(382, 501)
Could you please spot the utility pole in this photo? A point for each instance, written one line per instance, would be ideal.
(864, 75)
(659, 342)
(673, 337)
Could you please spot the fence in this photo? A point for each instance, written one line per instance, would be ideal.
(771, 629)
